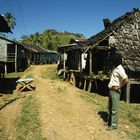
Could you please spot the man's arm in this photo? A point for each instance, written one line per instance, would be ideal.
(125, 82)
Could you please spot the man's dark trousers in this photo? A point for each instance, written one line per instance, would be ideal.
(113, 105)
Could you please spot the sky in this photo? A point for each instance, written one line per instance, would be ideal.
(77, 16)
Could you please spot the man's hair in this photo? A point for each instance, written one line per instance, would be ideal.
(117, 59)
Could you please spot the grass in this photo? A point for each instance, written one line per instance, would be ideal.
(50, 73)
(65, 39)
(28, 125)
(129, 113)
(13, 75)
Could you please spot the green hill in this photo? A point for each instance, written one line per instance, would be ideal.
(50, 39)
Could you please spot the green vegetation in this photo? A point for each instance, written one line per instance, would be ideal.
(50, 39)
(10, 20)
(129, 113)
(13, 75)
(131, 117)
(28, 123)
(100, 101)
(50, 73)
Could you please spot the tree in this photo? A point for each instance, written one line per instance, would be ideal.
(10, 20)
(49, 39)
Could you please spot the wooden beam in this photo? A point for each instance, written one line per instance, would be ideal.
(128, 93)
(5, 67)
(64, 66)
(103, 47)
(90, 63)
(85, 84)
(89, 85)
(15, 57)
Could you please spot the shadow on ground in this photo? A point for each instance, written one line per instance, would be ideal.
(8, 85)
(103, 115)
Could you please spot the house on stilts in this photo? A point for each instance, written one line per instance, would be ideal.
(16, 56)
(119, 36)
(13, 56)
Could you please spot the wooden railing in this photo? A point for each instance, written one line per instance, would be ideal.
(11, 57)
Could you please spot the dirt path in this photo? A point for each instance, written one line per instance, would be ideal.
(8, 116)
(63, 113)
(66, 116)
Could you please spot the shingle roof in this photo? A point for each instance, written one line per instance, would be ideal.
(130, 53)
(36, 48)
(110, 29)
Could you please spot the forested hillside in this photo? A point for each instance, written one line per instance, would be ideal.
(50, 39)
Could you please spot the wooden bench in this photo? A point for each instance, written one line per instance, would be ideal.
(26, 83)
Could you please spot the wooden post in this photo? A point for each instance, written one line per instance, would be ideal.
(85, 84)
(15, 57)
(89, 85)
(128, 93)
(5, 67)
(90, 63)
(64, 66)
(90, 71)
(80, 62)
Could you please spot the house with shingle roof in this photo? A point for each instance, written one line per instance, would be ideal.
(120, 36)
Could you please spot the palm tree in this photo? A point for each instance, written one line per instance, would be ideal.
(10, 20)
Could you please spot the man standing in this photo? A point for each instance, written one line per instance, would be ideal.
(117, 81)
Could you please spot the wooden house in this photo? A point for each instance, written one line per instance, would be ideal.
(39, 55)
(3, 28)
(121, 36)
(51, 57)
(13, 56)
(70, 60)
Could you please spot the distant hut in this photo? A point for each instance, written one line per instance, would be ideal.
(40, 55)
(70, 60)
(51, 57)
(121, 36)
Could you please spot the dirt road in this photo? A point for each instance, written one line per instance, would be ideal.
(64, 115)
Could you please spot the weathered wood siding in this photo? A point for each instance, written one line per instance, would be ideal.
(3, 50)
